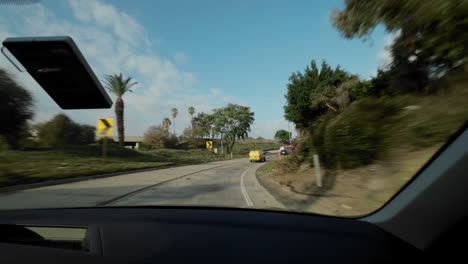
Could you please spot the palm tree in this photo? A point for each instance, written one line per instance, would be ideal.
(166, 123)
(191, 111)
(118, 85)
(174, 115)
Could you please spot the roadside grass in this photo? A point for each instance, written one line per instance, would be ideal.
(28, 166)
(181, 156)
(35, 165)
(268, 167)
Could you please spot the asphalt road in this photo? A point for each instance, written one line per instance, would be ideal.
(229, 183)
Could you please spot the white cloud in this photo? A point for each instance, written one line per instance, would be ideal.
(113, 42)
(180, 58)
(385, 55)
(267, 129)
(107, 16)
(215, 91)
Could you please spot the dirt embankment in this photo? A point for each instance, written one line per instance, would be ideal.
(353, 192)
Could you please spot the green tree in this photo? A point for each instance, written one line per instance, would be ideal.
(191, 111)
(431, 35)
(166, 123)
(119, 85)
(174, 113)
(61, 131)
(202, 123)
(16, 108)
(87, 134)
(282, 135)
(194, 137)
(315, 92)
(232, 122)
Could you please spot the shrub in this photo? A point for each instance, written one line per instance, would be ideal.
(95, 150)
(87, 134)
(159, 137)
(16, 108)
(192, 138)
(314, 142)
(289, 164)
(61, 131)
(371, 127)
(109, 140)
(353, 137)
(4, 144)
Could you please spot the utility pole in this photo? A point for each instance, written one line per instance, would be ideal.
(289, 134)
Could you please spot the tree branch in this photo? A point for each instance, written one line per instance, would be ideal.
(331, 107)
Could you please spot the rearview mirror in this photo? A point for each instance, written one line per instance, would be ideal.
(60, 69)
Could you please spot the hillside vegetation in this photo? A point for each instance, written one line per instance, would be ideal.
(372, 136)
(416, 101)
(372, 127)
(368, 150)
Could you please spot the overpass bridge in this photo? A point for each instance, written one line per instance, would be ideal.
(132, 142)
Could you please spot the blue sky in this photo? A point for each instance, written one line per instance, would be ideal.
(200, 53)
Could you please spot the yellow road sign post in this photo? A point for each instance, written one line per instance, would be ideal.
(209, 144)
(104, 128)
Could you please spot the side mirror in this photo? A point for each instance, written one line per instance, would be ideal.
(60, 69)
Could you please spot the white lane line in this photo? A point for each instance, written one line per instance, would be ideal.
(243, 190)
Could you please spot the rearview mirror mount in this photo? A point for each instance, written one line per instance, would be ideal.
(61, 70)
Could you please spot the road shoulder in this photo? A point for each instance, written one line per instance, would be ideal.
(260, 196)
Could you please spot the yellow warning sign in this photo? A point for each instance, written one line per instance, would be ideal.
(104, 126)
(209, 144)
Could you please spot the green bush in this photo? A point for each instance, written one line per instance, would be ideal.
(4, 144)
(354, 137)
(157, 137)
(62, 130)
(30, 144)
(144, 147)
(371, 127)
(431, 125)
(243, 147)
(192, 138)
(109, 140)
(315, 143)
(286, 165)
(430, 120)
(95, 150)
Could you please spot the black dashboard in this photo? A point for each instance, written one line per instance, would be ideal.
(181, 234)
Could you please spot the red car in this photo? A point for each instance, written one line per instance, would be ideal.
(286, 150)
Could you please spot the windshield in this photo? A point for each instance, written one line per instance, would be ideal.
(326, 107)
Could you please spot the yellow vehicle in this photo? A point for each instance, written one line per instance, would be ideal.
(256, 155)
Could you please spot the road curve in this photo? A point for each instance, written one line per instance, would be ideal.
(229, 183)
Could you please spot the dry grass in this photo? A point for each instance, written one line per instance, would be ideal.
(353, 192)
